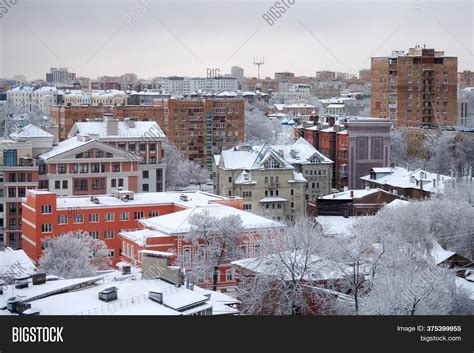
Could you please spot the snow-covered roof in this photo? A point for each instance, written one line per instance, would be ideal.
(297, 178)
(274, 265)
(397, 203)
(439, 254)
(468, 286)
(351, 194)
(65, 146)
(132, 298)
(300, 152)
(336, 225)
(194, 198)
(33, 292)
(403, 178)
(178, 222)
(30, 131)
(132, 129)
(15, 263)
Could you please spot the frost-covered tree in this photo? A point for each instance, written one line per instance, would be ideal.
(181, 172)
(285, 278)
(398, 147)
(74, 255)
(259, 129)
(215, 240)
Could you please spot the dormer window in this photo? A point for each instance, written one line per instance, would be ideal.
(271, 163)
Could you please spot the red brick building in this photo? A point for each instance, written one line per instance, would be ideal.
(414, 89)
(103, 216)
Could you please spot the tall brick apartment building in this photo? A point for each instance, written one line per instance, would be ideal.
(355, 144)
(199, 127)
(415, 89)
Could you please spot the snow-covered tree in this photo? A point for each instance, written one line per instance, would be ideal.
(181, 172)
(74, 255)
(398, 147)
(215, 240)
(286, 274)
(259, 129)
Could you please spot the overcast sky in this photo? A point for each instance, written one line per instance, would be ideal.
(177, 37)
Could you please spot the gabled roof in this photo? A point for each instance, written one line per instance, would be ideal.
(403, 178)
(30, 131)
(300, 152)
(178, 222)
(82, 144)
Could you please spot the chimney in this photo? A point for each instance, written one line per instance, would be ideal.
(130, 123)
(53, 130)
(111, 125)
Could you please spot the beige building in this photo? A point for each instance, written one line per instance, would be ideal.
(274, 181)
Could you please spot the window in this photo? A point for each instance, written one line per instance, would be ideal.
(116, 167)
(146, 174)
(120, 183)
(292, 192)
(98, 184)
(230, 179)
(46, 209)
(229, 275)
(65, 184)
(271, 163)
(153, 214)
(142, 147)
(113, 183)
(57, 184)
(146, 187)
(247, 193)
(94, 234)
(62, 219)
(78, 218)
(99, 154)
(187, 255)
(124, 216)
(109, 217)
(93, 218)
(46, 228)
(138, 214)
(109, 234)
(111, 253)
(247, 206)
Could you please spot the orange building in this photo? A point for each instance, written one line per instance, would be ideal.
(46, 215)
(166, 235)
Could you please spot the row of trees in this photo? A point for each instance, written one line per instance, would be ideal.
(442, 152)
(384, 267)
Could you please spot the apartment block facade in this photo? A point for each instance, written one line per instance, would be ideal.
(200, 128)
(143, 138)
(355, 144)
(104, 217)
(274, 181)
(415, 89)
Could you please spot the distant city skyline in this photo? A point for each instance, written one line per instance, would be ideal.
(106, 38)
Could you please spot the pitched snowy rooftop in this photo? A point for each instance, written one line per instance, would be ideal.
(300, 152)
(132, 129)
(65, 146)
(15, 262)
(303, 151)
(337, 225)
(273, 265)
(30, 131)
(178, 222)
(403, 178)
(194, 198)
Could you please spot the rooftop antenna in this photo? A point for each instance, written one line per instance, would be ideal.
(258, 62)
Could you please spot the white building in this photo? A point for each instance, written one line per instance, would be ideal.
(188, 85)
(25, 99)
